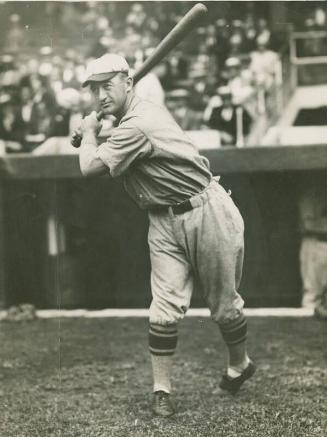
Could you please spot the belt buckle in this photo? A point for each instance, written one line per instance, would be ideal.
(182, 207)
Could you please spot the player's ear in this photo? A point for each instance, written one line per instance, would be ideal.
(129, 83)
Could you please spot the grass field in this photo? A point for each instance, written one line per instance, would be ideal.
(92, 377)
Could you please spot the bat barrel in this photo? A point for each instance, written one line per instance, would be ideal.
(175, 36)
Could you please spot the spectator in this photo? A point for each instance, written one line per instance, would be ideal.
(200, 91)
(10, 125)
(149, 88)
(69, 73)
(178, 68)
(265, 64)
(56, 78)
(179, 106)
(233, 122)
(250, 37)
(238, 83)
(250, 33)
(106, 26)
(313, 252)
(69, 113)
(38, 109)
(311, 46)
(32, 66)
(237, 26)
(136, 17)
(46, 63)
(41, 90)
(222, 42)
(42, 122)
(263, 29)
(236, 45)
(6, 63)
(246, 73)
(320, 18)
(9, 75)
(104, 44)
(26, 102)
(25, 111)
(215, 101)
(211, 40)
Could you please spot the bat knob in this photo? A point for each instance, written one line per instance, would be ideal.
(76, 140)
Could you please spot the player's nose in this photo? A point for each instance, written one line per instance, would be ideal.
(102, 94)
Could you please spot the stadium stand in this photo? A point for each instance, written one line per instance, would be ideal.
(274, 80)
(230, 51)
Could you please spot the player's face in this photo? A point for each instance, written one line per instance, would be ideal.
(112, 94)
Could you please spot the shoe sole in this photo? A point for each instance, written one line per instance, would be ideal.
(163, 415)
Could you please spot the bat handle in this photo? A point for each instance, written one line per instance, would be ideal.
(77, 137)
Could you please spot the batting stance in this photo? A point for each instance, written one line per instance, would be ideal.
(195, 231)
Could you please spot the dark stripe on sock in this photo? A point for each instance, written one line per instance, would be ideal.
(163, 331)
(230, 326)
(236, 334)
(239, 340)
(162, 342)
(163, 328)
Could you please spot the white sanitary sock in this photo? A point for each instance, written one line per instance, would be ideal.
(236, 371)
(161, 367)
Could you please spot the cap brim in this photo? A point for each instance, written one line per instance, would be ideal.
(101, 77)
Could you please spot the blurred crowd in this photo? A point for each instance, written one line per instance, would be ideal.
(220, 82)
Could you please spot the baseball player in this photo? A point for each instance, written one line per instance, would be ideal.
(195, 230)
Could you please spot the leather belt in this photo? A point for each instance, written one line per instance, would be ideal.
(179, 208)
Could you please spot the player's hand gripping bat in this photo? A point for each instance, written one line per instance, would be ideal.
(174, 37)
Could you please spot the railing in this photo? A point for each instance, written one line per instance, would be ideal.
(314, 50)
(223, 160)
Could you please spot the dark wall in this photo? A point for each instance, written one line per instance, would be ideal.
(106, 262)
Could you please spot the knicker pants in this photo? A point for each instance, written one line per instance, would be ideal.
(207, 244)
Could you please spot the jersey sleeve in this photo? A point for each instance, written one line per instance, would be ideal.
(125, 145)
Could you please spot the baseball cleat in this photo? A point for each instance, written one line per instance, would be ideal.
(232, 385)
(162, 404)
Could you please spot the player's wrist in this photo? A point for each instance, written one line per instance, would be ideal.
(89, 137)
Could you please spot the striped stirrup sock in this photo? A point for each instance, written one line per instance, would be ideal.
(162, 339)
(235, 331)
(162, 345)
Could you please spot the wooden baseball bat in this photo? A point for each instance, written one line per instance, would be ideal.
(174, 37)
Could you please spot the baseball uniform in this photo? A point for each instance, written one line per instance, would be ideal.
(161, 167)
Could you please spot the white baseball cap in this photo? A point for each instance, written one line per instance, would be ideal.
(104, 68)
